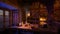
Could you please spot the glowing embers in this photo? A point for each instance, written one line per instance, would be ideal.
(42, 19)
(43, 23)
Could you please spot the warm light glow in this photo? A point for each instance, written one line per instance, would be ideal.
(42, 23)
(24, 26)
(28, 14)
(42, 19)
(21, 23)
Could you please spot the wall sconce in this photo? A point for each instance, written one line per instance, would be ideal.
(28, 14)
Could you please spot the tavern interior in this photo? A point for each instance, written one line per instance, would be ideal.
(13, 13)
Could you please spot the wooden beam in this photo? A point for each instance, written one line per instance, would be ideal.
(10, 18)
(3, 19)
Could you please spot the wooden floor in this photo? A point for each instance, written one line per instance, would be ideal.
(24, 31)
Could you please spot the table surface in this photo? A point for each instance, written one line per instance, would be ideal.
(39, 29)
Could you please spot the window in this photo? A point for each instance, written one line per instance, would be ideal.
(7, 18)
(1, 18)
